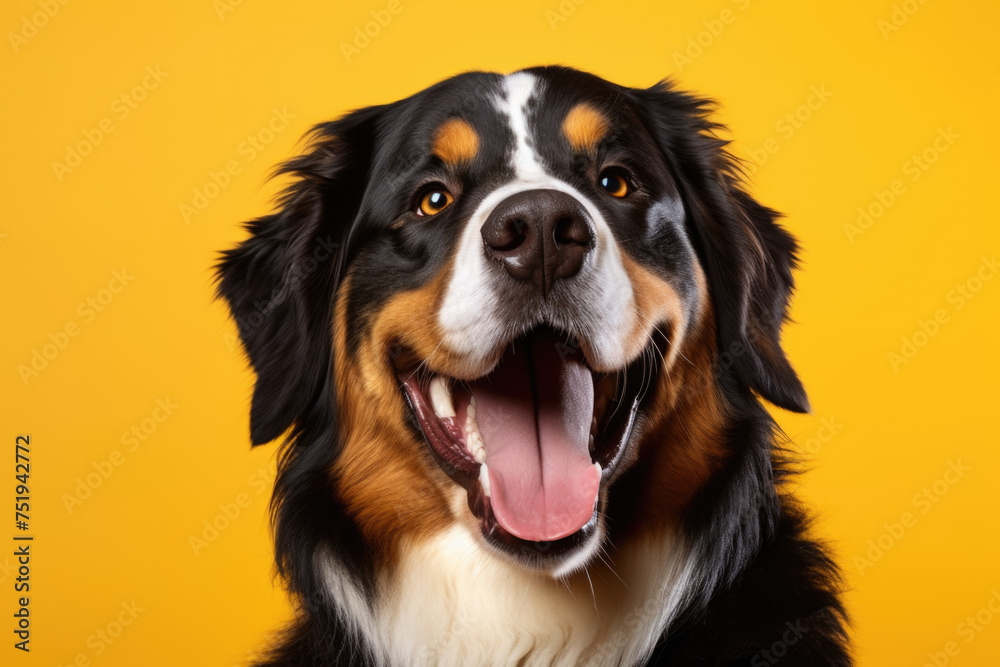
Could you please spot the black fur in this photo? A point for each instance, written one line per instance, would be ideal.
(760, 571)
(748, 258)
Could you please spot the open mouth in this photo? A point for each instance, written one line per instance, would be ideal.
(533, 441)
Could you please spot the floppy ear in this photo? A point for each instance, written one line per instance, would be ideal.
(748, 258)
(280, 282)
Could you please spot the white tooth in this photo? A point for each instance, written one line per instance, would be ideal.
(441, 398)
(600, 470)
(484, 479)
(473, 438)
(474, 442)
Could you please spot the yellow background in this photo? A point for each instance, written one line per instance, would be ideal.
(162, 336)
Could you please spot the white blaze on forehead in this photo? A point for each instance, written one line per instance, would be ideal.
(520, 88)
(603, 308)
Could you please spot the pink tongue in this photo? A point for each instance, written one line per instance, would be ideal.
(534, 413)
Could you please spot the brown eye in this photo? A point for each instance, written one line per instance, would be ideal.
(434, 202)
(614, 183)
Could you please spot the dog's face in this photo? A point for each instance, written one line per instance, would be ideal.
(533, 274)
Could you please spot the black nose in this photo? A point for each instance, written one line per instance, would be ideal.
(539, 235)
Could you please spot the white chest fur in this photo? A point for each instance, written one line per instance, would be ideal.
(452, 602)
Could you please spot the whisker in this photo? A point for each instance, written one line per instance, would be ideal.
(593, 596)
(425, 361)
(607, 561)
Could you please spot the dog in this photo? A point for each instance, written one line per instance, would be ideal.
(516, 331)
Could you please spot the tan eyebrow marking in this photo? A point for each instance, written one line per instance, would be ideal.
(584, 127)
(455, 142)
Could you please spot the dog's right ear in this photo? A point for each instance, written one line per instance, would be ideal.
(281, 281)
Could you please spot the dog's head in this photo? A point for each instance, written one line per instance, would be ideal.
(485, 303)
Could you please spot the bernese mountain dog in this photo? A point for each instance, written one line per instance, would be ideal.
(515, 331)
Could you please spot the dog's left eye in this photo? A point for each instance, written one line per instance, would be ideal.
(434, 201)
(613, 182)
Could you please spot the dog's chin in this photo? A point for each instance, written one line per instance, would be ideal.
(535, 443)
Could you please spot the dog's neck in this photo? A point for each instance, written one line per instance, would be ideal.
(452, 601)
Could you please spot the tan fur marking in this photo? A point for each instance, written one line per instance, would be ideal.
(656, 301)
(681, 446)
(384, 477)
(584, 127)
(456, 142)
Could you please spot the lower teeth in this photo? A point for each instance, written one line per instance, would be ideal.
(484, 479)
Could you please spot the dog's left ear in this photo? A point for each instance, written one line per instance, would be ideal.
(280, 282)
(747, 257)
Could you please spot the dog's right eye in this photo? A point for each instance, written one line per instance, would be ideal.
(434, 201)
